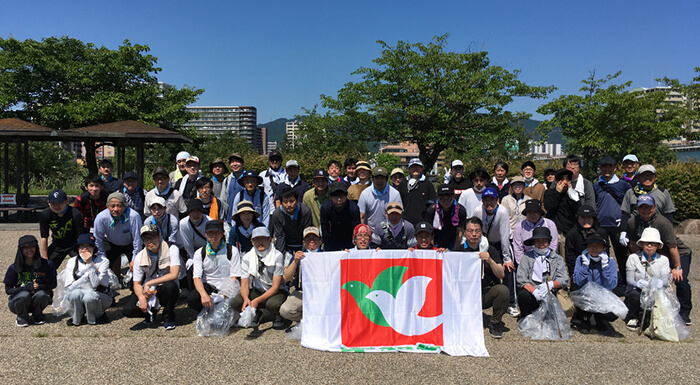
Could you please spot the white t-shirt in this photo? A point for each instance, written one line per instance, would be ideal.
(267, 273)
(216, 269)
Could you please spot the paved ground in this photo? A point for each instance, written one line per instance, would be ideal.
(116, 352)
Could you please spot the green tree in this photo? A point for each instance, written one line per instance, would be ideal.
(386, 160)
(437, 99)
(689, 113)
(610, 120)
(320, 134)
(62, 83)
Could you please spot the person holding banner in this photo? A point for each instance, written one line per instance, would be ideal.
(493, 293)
(540, 271)
(291, 309)
(361, 237)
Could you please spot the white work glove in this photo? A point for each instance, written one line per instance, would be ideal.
(624, 241)
(604, 260)
(659, 284)
(189, 263)
(642, 283)
(483, 244)
(584, 260)
(540, 292)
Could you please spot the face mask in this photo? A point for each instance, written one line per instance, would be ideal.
(596, 259)
(541, 251)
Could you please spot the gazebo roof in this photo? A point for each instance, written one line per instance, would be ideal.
(13, 128)
(127, 130)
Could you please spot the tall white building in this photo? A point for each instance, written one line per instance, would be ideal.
(242, 120)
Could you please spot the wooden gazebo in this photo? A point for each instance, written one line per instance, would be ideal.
(127, 133)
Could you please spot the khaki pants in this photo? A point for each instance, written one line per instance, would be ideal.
(292, 308)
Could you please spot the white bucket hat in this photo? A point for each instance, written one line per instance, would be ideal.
(650, 235)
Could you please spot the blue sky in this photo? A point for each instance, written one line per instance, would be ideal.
(279, 56)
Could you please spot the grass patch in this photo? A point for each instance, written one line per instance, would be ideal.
(41, 334)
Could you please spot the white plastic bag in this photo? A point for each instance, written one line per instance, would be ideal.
(594, 298)
(548, 322)
(247, 317)
(61, 305)
(662, 311)
(295, 331)
(215, 321)
(124, 261)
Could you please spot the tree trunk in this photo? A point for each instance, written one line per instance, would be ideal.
(90, 160)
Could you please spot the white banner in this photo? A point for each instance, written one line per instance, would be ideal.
(393, 300)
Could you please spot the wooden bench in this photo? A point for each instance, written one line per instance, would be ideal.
(17, 203)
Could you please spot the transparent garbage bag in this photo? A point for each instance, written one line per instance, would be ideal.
(295, 332)
(594, 298)
(548, 322)
(665, 322)
(61, 305)
(216, 320)
(247, 317)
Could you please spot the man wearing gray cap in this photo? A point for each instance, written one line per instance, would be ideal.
(262, 283)
(174, 202)
(291, 180)
(630, 163)
(415, 192)
(117, 232)
(646, 184)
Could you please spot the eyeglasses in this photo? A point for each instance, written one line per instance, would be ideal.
(362, 236)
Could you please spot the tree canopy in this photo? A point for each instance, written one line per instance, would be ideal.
(438, 99)
(608, 119)
(62, 83)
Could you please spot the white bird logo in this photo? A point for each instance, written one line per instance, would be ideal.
(401, 312)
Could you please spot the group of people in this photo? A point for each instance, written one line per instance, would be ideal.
(240, 236)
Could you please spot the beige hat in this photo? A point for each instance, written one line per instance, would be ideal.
(397, 171)
(394, 207)
(157, 200)
(362, 165)
(311, 230)
(650, 235)
(517, 178)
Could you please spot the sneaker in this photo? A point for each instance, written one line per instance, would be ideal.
(169, 325)
(280, 323)
(103, 319)
(39, 319)
(513, 311)
(686, 319)
(584, 327)
(496, 330)
(21, 322)
(256, 320)
(150, 318)
(632, 324)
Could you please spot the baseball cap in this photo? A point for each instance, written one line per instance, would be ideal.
(489, 192)
(319, 173)
(338, 187)
(57, 195)
(457, 162)
(564, 173)
(158, 200)
(645, 199)
(444, 189)
(235, 155)
(380, 171)
(291, 163)
(415, 161)
(149, 229)
(106, 160)
(586, 211)
(261, 231)
(160, 170)
(195, 204)
(631, 157)
(424, 226)
(608, 160)
(397, 171)
(394, 207)
(192, 158)
(311, 230)
(275, 155)
(646, 168)
(130, 175)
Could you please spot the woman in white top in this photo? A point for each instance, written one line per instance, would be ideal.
(87, 278)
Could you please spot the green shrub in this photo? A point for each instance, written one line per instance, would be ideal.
(683, 183)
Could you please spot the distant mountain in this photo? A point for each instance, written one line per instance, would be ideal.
(276, 129)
